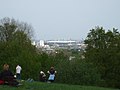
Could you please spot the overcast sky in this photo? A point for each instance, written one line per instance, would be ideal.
(63, 19)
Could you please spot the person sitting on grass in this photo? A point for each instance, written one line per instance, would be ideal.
(51, 73)
(7, 76)
(42, 76)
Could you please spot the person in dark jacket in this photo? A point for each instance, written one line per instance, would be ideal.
(7, 76)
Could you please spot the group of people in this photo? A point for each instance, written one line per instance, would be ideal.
(8, 78)
(52, 73)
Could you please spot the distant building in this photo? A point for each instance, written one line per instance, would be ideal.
(42, 43)
(52, 45)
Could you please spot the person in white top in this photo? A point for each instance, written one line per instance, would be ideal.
(18, 72)
(51, 73)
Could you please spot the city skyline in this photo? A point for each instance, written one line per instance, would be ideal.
(63, 19)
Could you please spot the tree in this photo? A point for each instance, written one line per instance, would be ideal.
(103, 50)
(16, 47)
(10, 27)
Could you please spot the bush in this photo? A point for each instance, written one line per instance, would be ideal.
(77, 72)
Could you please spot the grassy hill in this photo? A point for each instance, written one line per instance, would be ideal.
(50, 86)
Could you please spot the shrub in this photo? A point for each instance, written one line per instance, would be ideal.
(77, 72)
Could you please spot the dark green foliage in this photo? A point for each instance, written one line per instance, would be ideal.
(71, 72)
(77, 72)
(103, 51)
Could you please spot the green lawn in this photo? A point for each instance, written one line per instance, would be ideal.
(50, 86)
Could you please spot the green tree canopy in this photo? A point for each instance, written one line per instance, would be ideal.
(103, 49)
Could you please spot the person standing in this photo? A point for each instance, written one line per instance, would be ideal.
(18, 72)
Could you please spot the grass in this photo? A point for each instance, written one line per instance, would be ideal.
(51, 86)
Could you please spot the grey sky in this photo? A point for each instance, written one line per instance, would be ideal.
(63, 19)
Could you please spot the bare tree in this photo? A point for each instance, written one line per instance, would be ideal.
(9, 28)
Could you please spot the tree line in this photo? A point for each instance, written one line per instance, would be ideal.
(100, 66)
